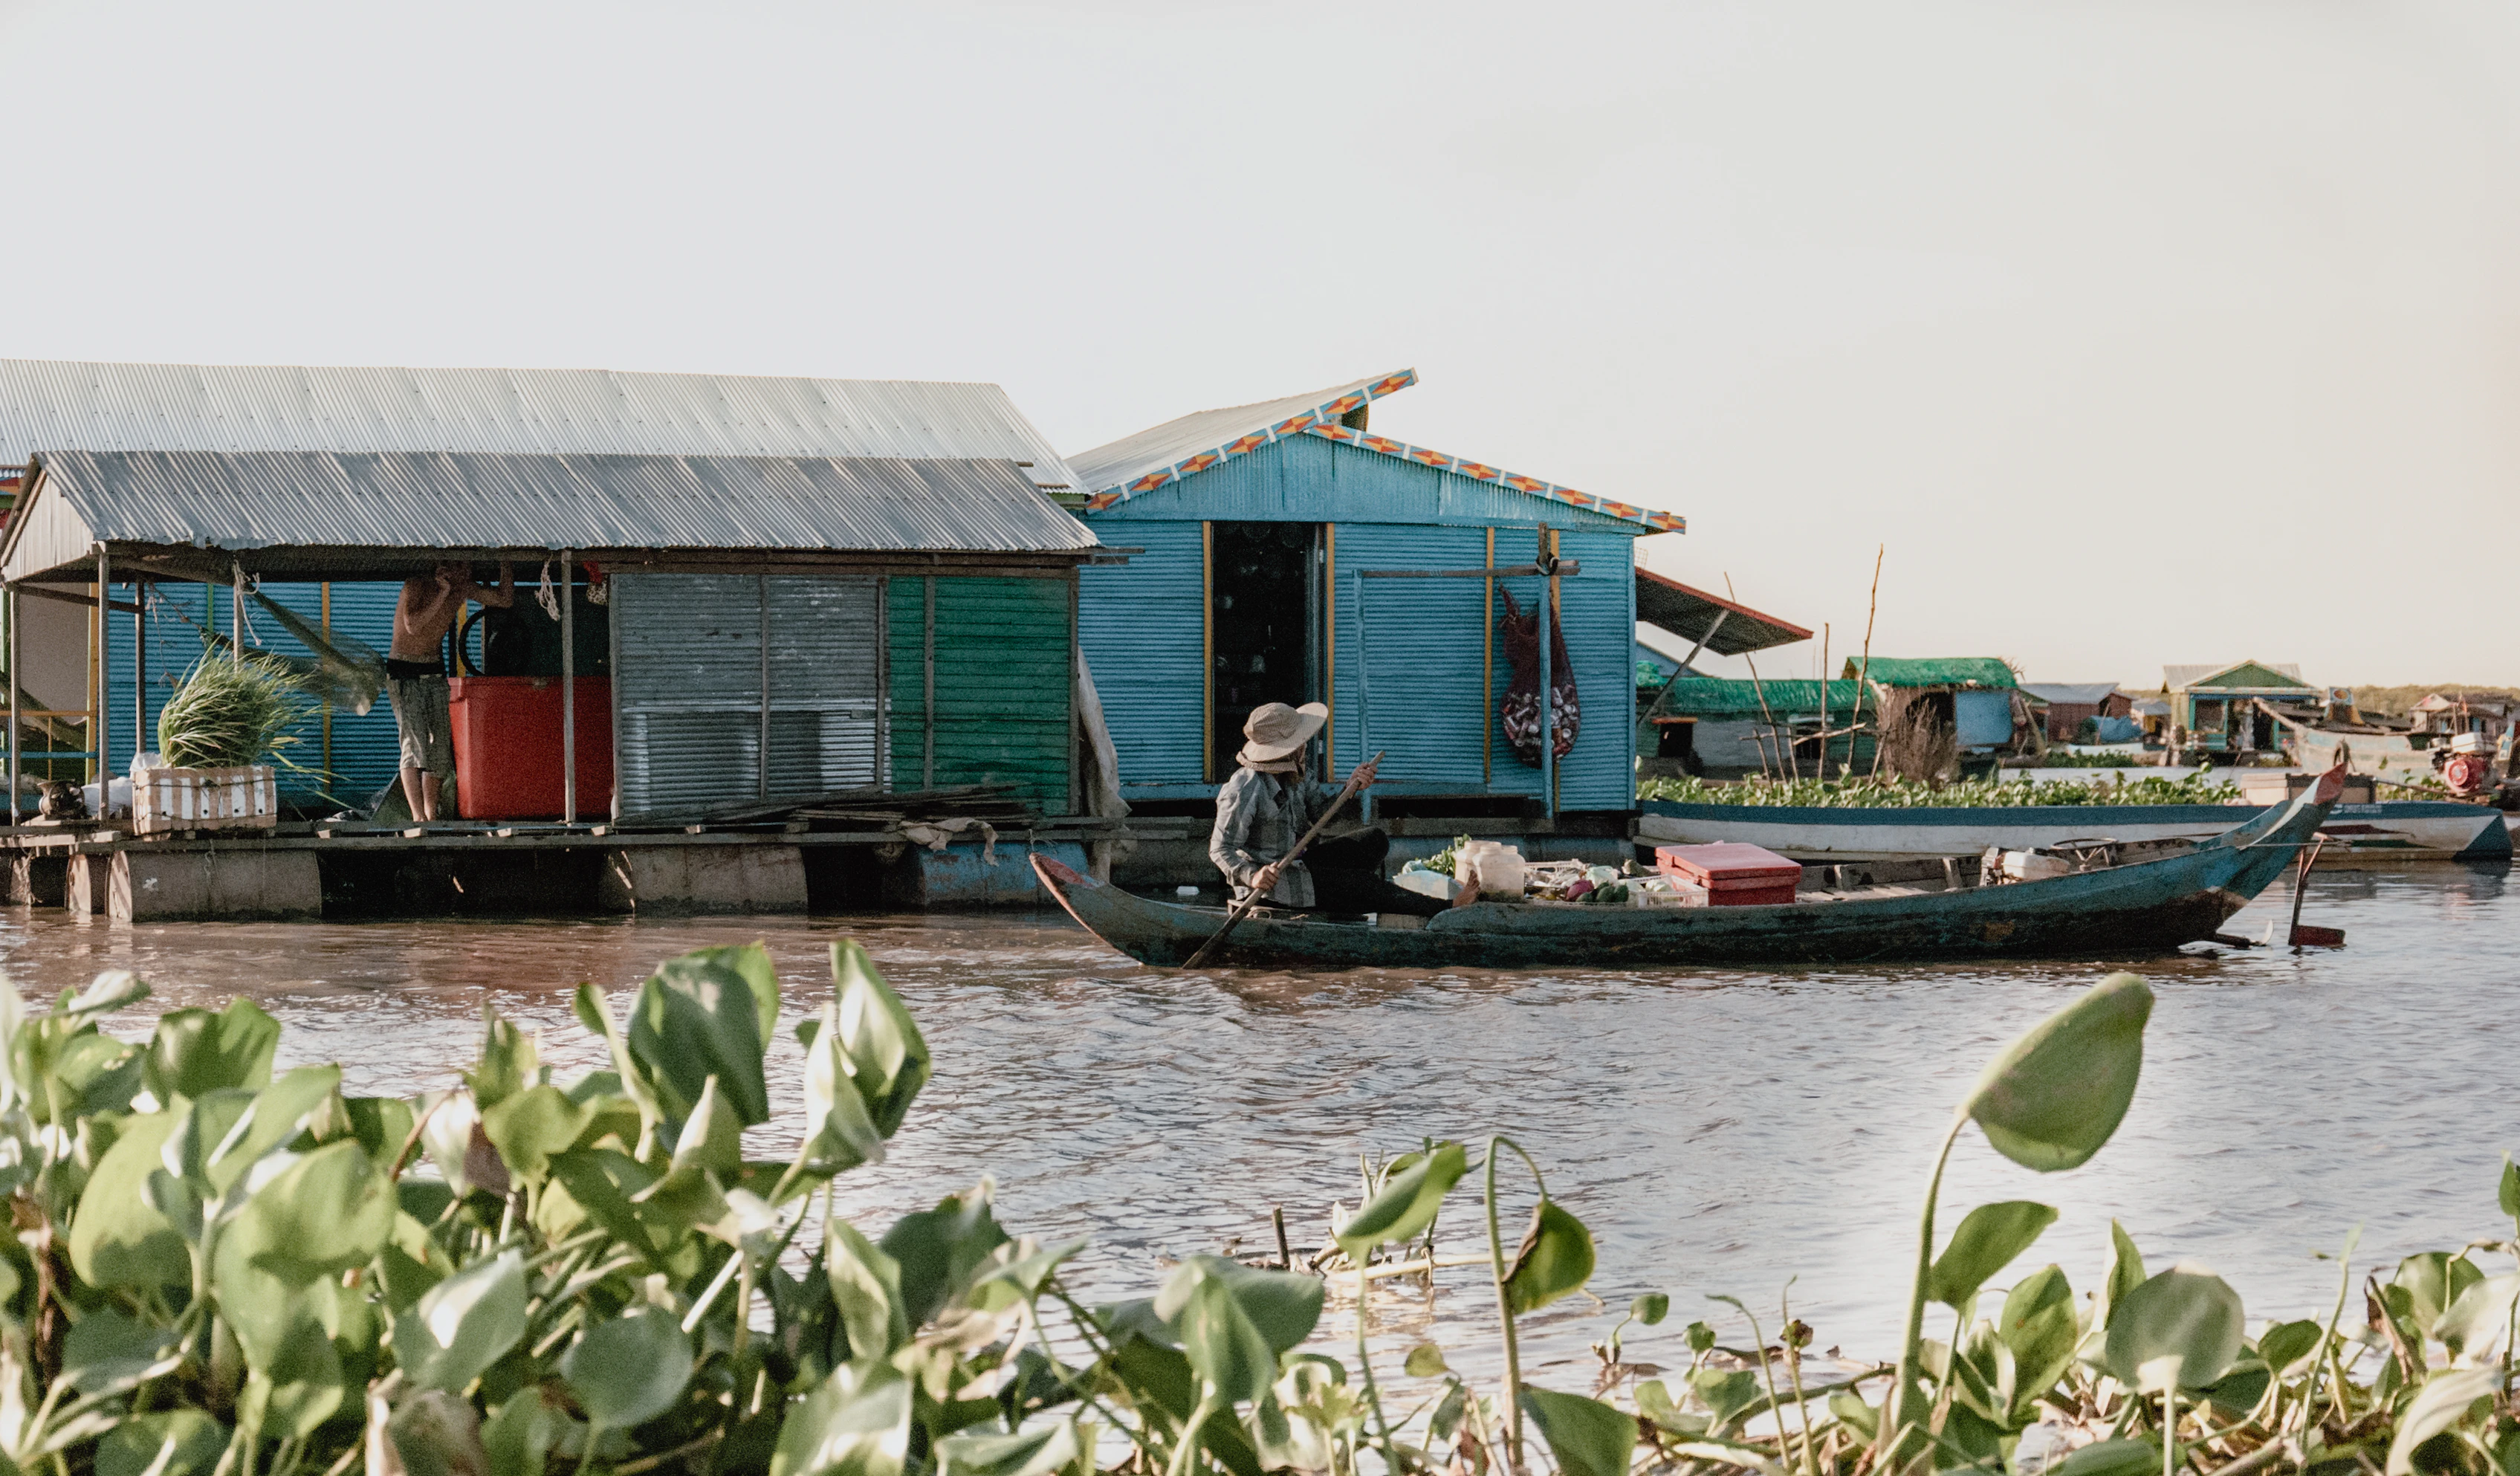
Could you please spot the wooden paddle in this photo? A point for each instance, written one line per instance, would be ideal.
(1243, 909)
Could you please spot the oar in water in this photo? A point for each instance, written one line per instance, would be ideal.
(1243, 909)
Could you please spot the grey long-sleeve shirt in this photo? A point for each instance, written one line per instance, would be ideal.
(1259, 817)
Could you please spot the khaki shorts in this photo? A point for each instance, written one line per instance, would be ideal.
(421, 717)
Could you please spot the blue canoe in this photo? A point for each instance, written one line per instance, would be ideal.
(2142, 908)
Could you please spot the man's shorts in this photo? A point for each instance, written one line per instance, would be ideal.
(420, 716)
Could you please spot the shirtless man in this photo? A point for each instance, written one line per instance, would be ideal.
(416, 675)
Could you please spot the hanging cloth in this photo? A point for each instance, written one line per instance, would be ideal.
(1519, 708)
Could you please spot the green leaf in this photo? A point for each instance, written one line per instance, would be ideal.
(1224, 1348)
(2182, 1327)
(1407, 1204)
(2508, 1194)
(189, 1440)
(2433, 1281)
(108, 1346)
(1650, 1308)
(465, 1324)
(117, 1236)
(1588, 1438)
(2441, 1403)
(1426, 1361)
(693, 1020)
(595, 1015)
(194, 1051)
(2055, 1096)
(866, 1286)
(110, 991)
(1700, 1338)
(712, 1137)
(2126, 1273)
(1987, 1241)
(2482, 1314)
(1856, 1415)
(2111, 1457)
(855, 1423)
(1727, 1392)
(299, 1380)
(511, 1061)
(528, 1127)
(628, 1369)
(1555, 1259)
(272, 1118)
(518, 1439)
(327, 1211)
(940, 1250)
(888, 1060)
(1282, 1306)
(840, 1131)
(1034, 1451)
(2287, 1343)
(2038, 1325)
(436, 1435)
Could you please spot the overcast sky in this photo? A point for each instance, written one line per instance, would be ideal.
(2138, 332)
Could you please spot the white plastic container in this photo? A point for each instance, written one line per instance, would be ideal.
(1500, 866)
(2030, 866)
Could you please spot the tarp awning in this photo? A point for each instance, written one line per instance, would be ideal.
(1936, 671)
(1693, 615)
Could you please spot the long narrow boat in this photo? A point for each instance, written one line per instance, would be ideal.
(2144, 907)
(2389, 833)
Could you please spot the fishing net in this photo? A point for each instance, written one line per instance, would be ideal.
(1520, 708)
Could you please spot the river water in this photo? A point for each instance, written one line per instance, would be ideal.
(1720, 1131)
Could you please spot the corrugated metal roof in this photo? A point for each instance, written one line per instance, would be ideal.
(1174, 441)
(1691, 614)
(2180, 678)
(1935, 671)
(441, 499)
(50, 405)
(2073, 693)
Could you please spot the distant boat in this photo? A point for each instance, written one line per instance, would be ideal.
(2142, 907)
(2391, 831)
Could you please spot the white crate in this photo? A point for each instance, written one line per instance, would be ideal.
(247, 799)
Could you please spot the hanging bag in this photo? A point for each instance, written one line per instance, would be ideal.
(1519, 708)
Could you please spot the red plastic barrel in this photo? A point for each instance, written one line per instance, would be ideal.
(506, 746)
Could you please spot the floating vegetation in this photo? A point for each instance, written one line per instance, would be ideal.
(2202, 788)
(223, 1271)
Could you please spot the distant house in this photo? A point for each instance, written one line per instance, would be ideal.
(2070, 704)
(2216, 707)
(2446, 714)
(1934, 709)
(1725, 728)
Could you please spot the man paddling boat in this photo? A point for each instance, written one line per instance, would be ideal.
(1267, 805)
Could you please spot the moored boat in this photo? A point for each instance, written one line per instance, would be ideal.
(2387, 833)
(2138, 908)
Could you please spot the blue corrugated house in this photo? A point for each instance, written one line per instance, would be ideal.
(1277, 541)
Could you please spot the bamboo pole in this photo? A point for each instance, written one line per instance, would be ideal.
(1864, 673)
(1822, 763)
(1761, 689)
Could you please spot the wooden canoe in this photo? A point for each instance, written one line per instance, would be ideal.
(2145, 907)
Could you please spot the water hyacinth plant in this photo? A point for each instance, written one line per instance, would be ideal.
(2200, 787)
(231, 713)
(224, 1271)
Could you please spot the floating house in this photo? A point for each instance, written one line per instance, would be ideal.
(1936, 712)
(1729, 728)
(2215, 709)
(806, 585)
(2448, 714)
(1282, 552)
(2063, 707)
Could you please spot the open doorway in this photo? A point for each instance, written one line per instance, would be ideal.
(1263, 624)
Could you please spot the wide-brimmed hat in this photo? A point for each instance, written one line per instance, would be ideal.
(1276, 732)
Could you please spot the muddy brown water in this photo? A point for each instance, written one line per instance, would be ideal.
(1720, 1131)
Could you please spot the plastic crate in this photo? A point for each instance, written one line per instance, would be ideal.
(245, 798)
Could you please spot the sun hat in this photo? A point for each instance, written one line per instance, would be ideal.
(1275, 732)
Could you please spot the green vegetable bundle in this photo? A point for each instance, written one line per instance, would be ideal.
(231, 713)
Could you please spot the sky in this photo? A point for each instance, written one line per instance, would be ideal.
(2127, 332)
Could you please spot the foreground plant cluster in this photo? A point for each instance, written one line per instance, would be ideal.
(222, 1272)
(2200, 787)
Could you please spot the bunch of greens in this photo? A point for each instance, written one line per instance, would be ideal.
(1443, 860)
(231, 713)
(2202, 788)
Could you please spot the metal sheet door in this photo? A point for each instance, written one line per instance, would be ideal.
(686, 690)
(826, 683)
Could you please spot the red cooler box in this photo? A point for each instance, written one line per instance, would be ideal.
(506, 746)
(1734, 873)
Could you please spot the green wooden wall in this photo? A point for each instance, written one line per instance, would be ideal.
(1005, 680)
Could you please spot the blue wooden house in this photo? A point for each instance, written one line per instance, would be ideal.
(1278, 544)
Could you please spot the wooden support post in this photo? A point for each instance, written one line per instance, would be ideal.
(140, 672)
(15, 742)
(1548, 723)
(567, 686)
(101, 726)
(765, 687)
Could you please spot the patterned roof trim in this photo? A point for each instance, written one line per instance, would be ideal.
(1323, 420)
(1325, 413)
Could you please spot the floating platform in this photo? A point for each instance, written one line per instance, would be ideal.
(307, 871)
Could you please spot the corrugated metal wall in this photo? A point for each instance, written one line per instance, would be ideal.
(1600, 607)
(1410, 656)
(1143, 627)
(364, 751)
(688, 670)
(1004, 683)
